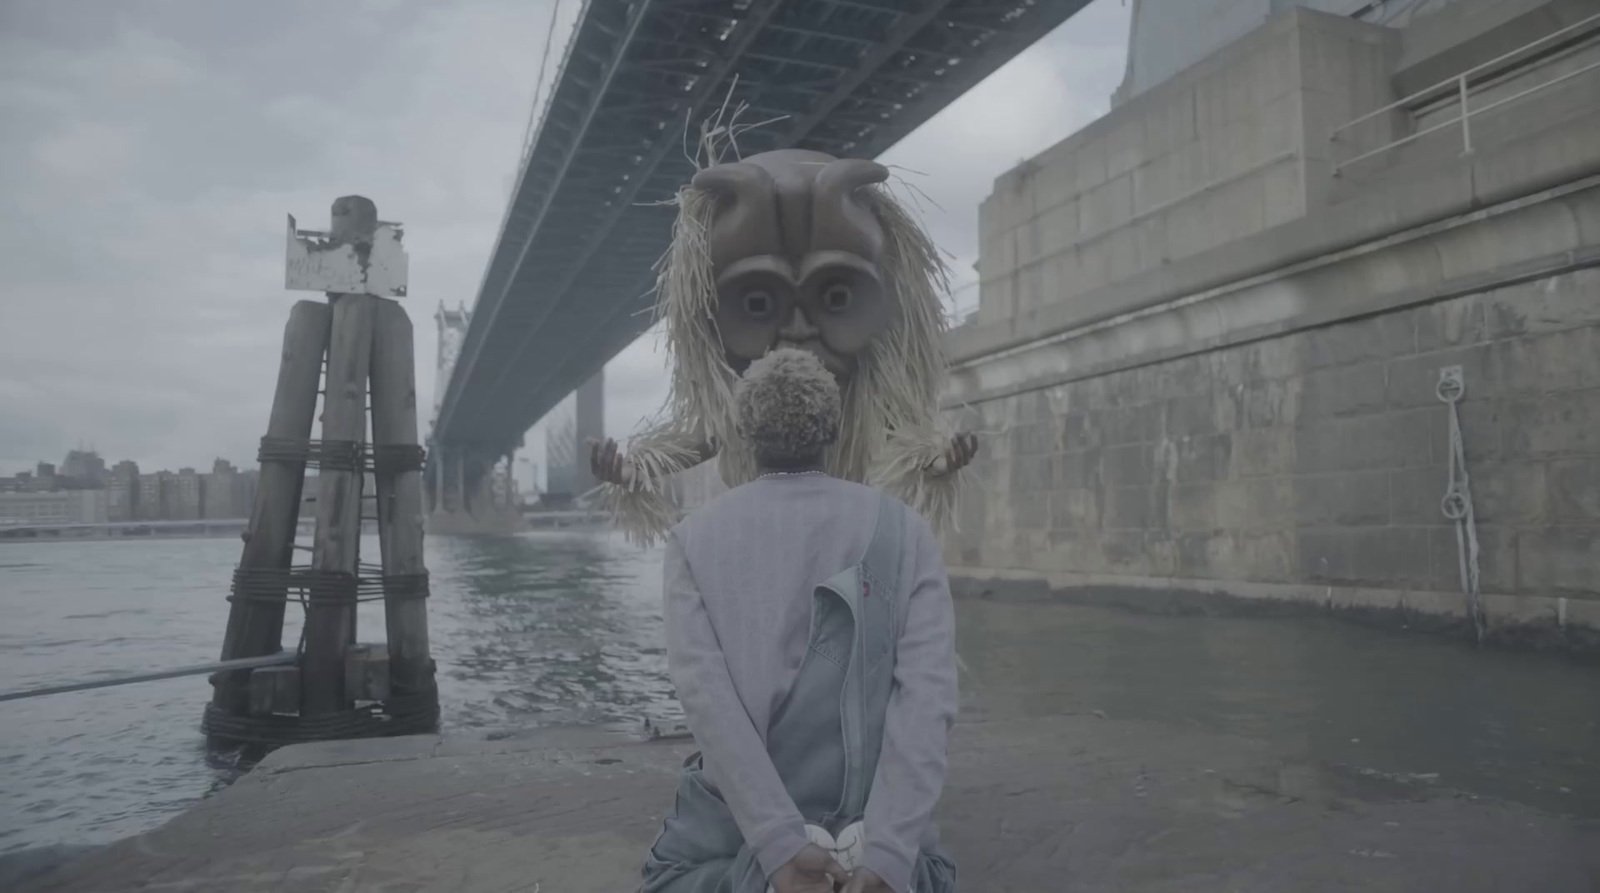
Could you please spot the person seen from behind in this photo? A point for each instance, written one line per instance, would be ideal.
(811, 639)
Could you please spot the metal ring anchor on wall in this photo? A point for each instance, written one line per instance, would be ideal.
(1452, 386)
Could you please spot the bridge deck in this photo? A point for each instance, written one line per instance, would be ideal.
(568, 284)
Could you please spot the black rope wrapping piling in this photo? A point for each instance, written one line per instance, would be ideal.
(328, 455)
(344, 455)
(398, 458)
(412, 707)
(414, 712)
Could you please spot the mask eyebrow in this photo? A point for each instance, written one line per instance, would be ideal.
(818, 263)
(769, 264)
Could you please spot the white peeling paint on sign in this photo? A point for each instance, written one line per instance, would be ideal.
(316, 262)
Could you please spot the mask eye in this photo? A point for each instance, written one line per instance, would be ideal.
(837, 297)
(758, 303)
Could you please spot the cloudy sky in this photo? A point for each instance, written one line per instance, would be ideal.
(149, 150)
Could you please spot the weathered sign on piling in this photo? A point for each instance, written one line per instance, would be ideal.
(337, 688)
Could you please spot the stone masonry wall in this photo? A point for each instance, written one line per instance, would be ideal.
(1311, 466)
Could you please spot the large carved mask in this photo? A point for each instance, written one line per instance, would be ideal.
(796, 252)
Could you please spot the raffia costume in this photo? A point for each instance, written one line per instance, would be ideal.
(797, 248)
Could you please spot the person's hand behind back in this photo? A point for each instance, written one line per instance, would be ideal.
(811, 870)
(865, 881)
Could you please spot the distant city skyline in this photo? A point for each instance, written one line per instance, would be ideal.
(83, 490)
(15, 467)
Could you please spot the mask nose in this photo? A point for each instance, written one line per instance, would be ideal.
(798, 328)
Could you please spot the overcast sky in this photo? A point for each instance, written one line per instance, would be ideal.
(149, 150)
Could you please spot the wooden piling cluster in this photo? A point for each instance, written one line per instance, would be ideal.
(338, 688)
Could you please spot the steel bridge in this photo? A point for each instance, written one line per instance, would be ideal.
(568, 284)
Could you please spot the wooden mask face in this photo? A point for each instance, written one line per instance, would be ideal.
(796, 256)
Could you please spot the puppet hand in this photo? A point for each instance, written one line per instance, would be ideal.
(866, 881)
(956, 456)
(608, 464)
(811, 870)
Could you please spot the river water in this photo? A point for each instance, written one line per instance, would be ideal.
(559, 628)
(546, 628)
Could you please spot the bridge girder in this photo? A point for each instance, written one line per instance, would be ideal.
(567, 286)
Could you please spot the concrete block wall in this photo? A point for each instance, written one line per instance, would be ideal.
(1311, 466)
(1214, 155)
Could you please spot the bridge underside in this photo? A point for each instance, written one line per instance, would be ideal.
(567, 287)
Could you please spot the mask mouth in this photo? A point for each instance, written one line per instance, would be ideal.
(831, 361)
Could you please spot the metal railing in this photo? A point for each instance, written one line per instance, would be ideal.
(1461, 86)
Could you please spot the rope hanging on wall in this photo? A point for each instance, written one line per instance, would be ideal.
(1457, 502)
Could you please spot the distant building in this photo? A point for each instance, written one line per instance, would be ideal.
(122, 491)
(560, 450)
(224, 491)
(44, 478)
(249, 482)
(83, 470)
(188, 496)
(154, 490)
(59, 507)
(569, 427)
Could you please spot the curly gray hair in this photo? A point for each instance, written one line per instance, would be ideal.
(787, 406)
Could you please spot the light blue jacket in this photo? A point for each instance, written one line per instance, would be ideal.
(811, 640)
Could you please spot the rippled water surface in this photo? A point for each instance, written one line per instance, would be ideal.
(543, 628)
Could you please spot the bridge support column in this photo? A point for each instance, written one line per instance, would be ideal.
(467, 501)
(430, 480)
(510, 501)
(456, 501)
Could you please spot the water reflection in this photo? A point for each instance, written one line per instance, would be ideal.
(1350, 702)
(550, 628)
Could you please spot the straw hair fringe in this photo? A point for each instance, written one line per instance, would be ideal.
(889, 428)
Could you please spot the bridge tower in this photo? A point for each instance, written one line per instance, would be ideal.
(469, 490)
(452, 330)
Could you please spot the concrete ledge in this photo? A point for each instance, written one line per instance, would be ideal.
(1533, 237)
(1451, 187)
(1086, 801)
(1529, 622)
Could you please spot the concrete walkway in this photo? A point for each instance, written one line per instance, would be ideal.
(1077, 802)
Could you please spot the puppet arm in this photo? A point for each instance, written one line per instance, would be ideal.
(634, 486)
(920, 466)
